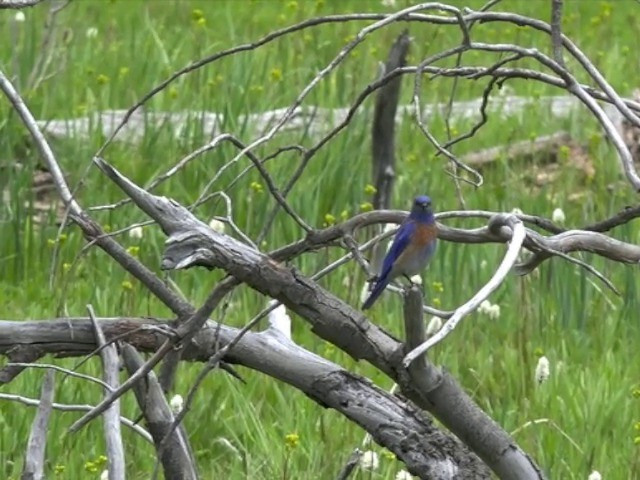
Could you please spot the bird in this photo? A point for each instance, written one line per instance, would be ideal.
(412, 248)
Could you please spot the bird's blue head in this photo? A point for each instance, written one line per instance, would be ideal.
(422, 210)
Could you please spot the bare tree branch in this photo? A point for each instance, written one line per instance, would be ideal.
(510, 258)
(66, 371)
(384, 126)
(556, 31)
(17, 4)
(91, 229)
(177, 460)
(111, 417)
(46, 51)
(591, 241)
(21, 355)
(415, 334)
(383, 133)
(133, 379)
(414, 439)
(34, 459)
(192, 243)
(65, 407)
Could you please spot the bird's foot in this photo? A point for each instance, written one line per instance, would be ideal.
(414, 281)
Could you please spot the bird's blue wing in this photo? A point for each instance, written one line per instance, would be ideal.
(400, 242)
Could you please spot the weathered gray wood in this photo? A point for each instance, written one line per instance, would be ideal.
(308, 118)
(18, 354)
(192, 243)
(526, 148)
(383, 131)
(383, 140)
(392, 421)
(175, 457)
(426, 377)
(421, 369)
(17, 4)
(34, 458)
(111, 417)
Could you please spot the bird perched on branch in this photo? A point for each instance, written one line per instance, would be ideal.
(412, 248)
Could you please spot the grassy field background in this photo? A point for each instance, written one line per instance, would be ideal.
(110, 53)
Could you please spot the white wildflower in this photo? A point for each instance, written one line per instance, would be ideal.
(517, 211)
(416, 280)
(489, 309)
(494, 312)
(485, 307)
(280, 320)
(369, 460)
(19, 17)
(136, 232)
(104, 475)
(176, 403)
(595, 475)
(558, 216)
(92, 32)
(403, 475)
(216, 225)
(433, 326)
(542, 370)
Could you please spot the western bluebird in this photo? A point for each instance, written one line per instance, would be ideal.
(411, 250)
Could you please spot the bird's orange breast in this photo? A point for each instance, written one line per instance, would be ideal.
(425, 234)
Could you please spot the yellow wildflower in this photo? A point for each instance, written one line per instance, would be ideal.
(276, 74)
(291, 440)
(329, 219)
(370, 189)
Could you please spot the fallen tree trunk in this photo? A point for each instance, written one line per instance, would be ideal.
(392, 421)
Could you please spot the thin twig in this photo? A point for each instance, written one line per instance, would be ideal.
(65, 407)
(141, 373)
(510, 258)
(66, 371)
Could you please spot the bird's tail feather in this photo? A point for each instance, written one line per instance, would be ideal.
(375, 293)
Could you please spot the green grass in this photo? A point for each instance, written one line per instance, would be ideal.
(592, 401)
